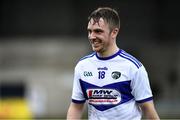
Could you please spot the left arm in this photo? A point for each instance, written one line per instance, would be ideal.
(149, 110)
(143, 95)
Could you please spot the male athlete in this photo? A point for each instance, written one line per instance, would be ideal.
(114, 83)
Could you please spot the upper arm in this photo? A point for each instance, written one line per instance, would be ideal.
(140, 85)
(75, 111)
(147, 106)
(149, 110)
(77, 93)
(76, 106)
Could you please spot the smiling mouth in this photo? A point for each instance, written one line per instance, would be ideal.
(95, 42)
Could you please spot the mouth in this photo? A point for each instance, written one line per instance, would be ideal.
(95, 43)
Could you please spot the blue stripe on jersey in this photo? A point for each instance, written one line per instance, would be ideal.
(145, 100)
(126, 54)
(130, 58)
(88, 56)
(122, 87)
(78, 101)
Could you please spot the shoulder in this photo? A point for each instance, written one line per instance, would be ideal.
(136, 68)
(87, 56)
(130, 59)
(85, 59)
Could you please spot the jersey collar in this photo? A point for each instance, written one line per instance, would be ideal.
(109, 57)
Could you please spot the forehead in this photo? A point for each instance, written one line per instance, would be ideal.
(99, 24)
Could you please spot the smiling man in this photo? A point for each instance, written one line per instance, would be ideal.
(114, 83)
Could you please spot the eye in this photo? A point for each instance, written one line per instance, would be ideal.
(98, 31)
(89, 31)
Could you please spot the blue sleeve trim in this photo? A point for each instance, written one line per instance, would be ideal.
(145, 100)
(78, 101)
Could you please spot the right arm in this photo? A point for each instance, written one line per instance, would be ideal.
(75, 111)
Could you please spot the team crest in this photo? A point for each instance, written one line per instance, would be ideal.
(115, 75)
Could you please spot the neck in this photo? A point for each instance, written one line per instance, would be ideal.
(109, 52)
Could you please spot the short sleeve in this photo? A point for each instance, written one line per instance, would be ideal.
(141, 89)
(77, 94)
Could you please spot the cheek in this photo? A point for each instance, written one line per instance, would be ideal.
(103, 37)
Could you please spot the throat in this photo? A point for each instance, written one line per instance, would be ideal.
(107, 53)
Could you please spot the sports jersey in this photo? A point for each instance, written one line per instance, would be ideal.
(112, 86)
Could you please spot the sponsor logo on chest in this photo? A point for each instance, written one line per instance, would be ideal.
(103, 96)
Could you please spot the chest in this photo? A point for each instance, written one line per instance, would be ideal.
(103, 73)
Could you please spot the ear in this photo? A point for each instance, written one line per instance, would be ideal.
(114, 32)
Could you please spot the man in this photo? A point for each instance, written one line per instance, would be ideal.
(114, 83)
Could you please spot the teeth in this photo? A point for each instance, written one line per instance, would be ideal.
(96, 43)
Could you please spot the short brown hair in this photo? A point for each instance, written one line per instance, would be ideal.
(110, 15)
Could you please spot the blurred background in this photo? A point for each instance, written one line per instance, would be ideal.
(42, 40)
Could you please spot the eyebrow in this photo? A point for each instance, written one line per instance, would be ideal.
(96, 30)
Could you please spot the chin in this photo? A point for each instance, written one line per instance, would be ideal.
(97, 50)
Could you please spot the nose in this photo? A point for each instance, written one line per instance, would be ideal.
(91, 35)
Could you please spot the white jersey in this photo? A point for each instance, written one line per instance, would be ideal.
(112, 86)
